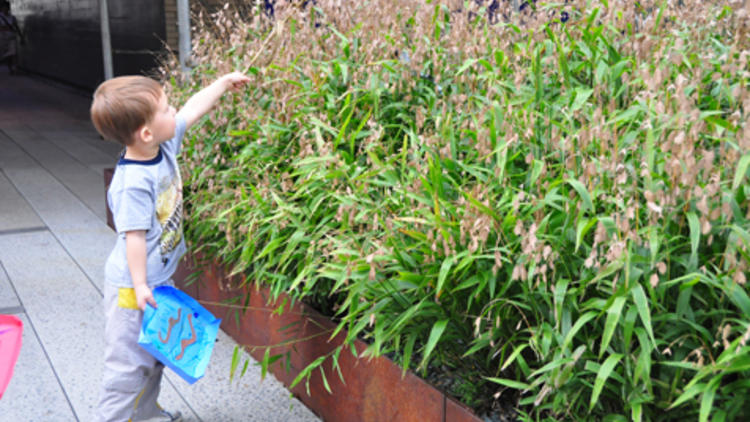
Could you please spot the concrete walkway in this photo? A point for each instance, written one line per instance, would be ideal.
(53, 244)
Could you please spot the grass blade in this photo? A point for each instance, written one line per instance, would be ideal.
(435, 333)
(695, 237)
(583, 193)
(444, 269)
(641, 303)
(510, 383)
(613, 317)
(604, 371)
(739, 174)
(708, 398)
(235, 361)
(583, 319)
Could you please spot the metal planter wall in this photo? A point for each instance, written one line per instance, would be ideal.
(63, 38)
(373, 390)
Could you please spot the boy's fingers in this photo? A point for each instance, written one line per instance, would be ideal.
(236, 85)
(147, 301)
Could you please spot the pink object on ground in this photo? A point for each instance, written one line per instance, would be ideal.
(10, 346)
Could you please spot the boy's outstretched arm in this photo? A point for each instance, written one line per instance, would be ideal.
(204, 100)
(135, 251)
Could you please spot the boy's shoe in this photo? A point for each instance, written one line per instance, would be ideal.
(166, 417)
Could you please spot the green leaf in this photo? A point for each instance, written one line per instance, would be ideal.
(435, 333)
(485, 209)
(708, 398)
(444, 269)
(325, 380)
(738, 363)
(244, 368)
(738, 296)
(659, 15)
(467, 64)
(550, 366)
(688, 394)
(641, 303)
(604, 371)
(629, 324)
(742, 233)
(408, 348)
(235, 361)
(654, 240)
(583, 319)
(264, 363)
(583, 227)
(583, 193)
(695, 236)
(582, 95)
(513, 356)
(510, 383)
(739, 174)
(305, 372)
(636, 412)
(559, 296)
(270, 247)
(613, 317)
(642, 369)
(404, 318)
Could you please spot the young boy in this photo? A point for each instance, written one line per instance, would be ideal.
(145, 197)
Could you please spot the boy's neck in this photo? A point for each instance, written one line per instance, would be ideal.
(141, 152)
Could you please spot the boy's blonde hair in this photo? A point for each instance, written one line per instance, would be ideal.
(122, 105)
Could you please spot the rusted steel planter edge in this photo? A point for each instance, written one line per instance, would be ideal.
(373, 389)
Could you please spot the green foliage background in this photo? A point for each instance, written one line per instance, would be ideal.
(558, 213)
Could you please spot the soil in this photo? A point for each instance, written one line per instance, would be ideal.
(501, 409)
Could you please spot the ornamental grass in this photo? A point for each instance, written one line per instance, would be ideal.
(550, 205)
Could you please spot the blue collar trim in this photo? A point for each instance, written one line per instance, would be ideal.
(155, 160)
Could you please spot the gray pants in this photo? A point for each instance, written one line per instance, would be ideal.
(132, 377)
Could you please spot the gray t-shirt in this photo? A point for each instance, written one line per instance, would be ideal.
(147, 195)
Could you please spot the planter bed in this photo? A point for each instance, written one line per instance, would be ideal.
(372, 390)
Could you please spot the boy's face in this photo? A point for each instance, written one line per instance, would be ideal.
(163, 123)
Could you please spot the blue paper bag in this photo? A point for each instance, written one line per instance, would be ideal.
(179, 332)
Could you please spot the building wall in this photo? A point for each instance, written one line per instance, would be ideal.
(63, 38)
(170, 23)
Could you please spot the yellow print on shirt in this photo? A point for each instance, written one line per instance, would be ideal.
(169, 213)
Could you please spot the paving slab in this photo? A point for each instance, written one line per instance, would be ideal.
(79, 179)
(83, 131)
(34, 393)
(110, 148)
(67, 314)
(76, 144)
(215, 398)
(12, 156)
(8, 298)
(82, 233)
(15, 212)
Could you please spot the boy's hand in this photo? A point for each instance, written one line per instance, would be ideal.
(202, 102)
(234, 81)
(144, 295)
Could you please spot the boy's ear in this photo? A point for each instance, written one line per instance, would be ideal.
(145, 134)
